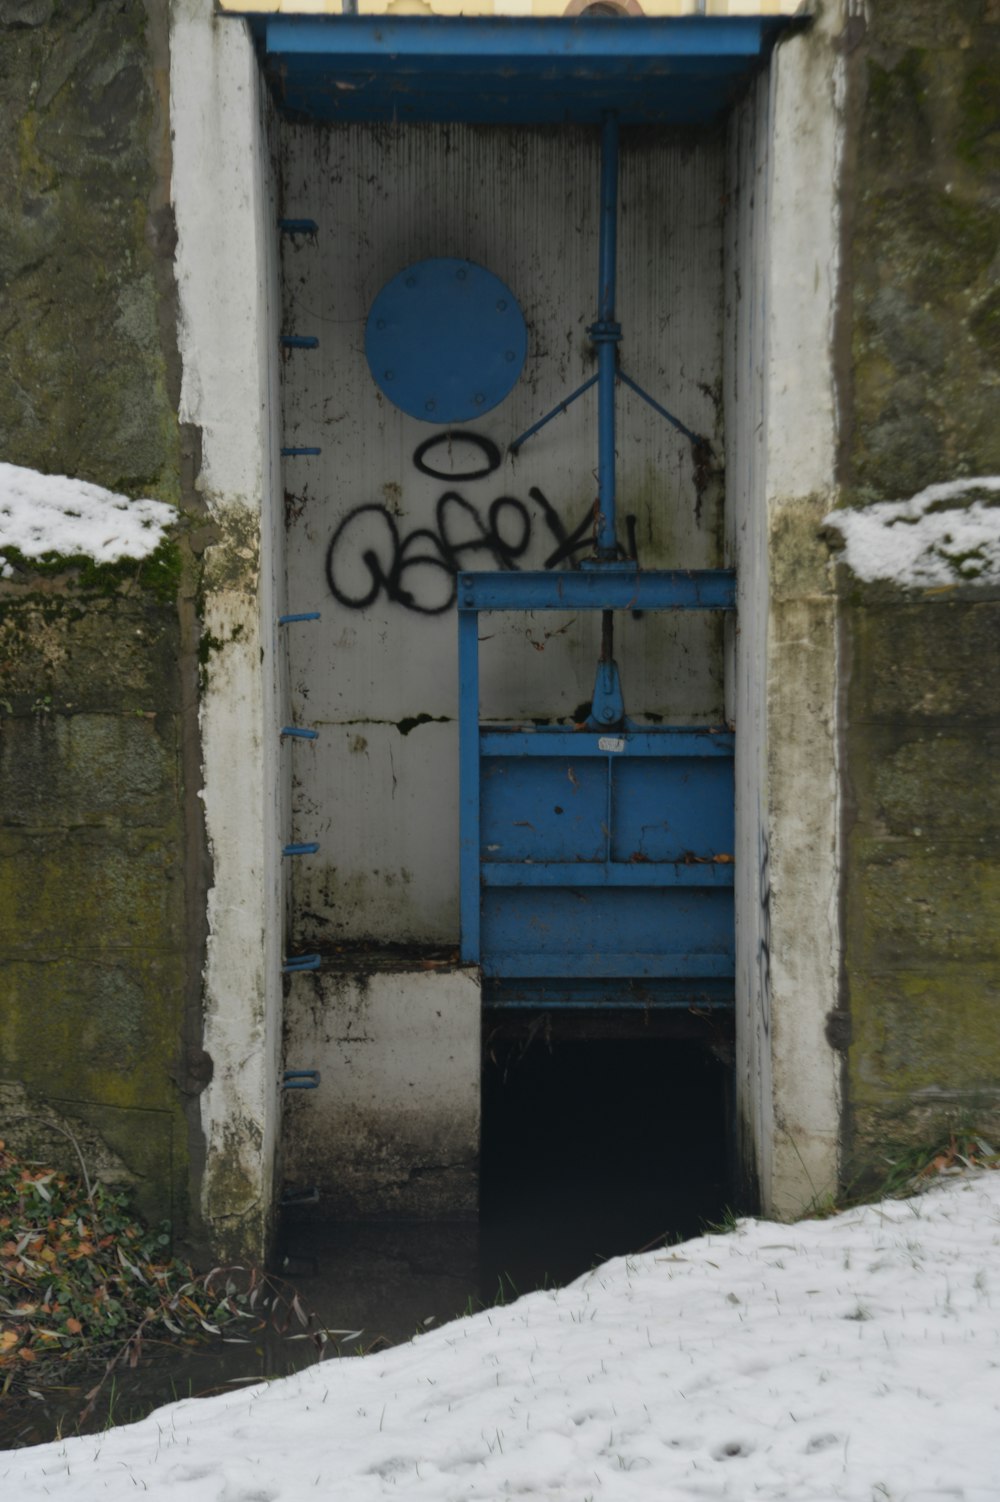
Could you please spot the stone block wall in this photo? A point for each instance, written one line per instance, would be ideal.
(920, 381)
(101, 853)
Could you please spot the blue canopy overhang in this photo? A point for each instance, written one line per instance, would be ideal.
(513, 71)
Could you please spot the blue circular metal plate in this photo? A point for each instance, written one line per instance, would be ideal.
(446, 340)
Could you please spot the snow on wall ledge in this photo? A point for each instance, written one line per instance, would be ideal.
(44, 514)
(946, 534)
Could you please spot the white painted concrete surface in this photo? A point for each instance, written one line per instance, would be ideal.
(781, 433)
(225, 269)
(393, 1129)
(802, 680)
(746, 271)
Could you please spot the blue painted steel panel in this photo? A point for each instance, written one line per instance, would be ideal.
(614, 932)
(672, 810)
(445, 340)
(681, 71)
(536, 809)
(605, 865)
(544, 808)
(614, 587)
(616, 970)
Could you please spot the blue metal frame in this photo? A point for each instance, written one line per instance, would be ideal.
(706, 876)
(622, 586)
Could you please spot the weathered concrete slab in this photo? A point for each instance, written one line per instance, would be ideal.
(393, 1129)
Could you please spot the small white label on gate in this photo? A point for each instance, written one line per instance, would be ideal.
(610, 743)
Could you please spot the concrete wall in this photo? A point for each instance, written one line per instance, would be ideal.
(920, 365)
(226, 261)
(393, 1130)
(102, 869)
(783, 286)
(142, 952)
(747, 285)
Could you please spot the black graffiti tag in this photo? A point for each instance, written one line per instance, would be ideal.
(369, 556)
(486, 446)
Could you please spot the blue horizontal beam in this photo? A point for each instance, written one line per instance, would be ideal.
(503, 37)
(676, 70)
(613, 1000)
(608, 966)
(567, 741)
(614, 587)
(704, 996)
(697, 873)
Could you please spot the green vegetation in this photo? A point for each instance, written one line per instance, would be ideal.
(159, 572)
(84, 1284)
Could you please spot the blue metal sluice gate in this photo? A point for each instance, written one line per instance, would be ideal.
(596, 860)
(596, 863)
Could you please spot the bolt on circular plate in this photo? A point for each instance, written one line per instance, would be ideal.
(445, 340)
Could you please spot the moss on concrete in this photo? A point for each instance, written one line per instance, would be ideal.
(922, 909)
(97, 1027)
(93, 953)
(109, 655)
(83, 378)
(922, 728)
(924, 248)
(159, 572)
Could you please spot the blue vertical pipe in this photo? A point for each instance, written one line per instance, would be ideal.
(606, 333)
(468, 774)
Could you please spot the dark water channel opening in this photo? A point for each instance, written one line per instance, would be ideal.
(592, 1147)
(597, 1147)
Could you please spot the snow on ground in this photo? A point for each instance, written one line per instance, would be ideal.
(947, 534)
(856, 1357)
(42, 514)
